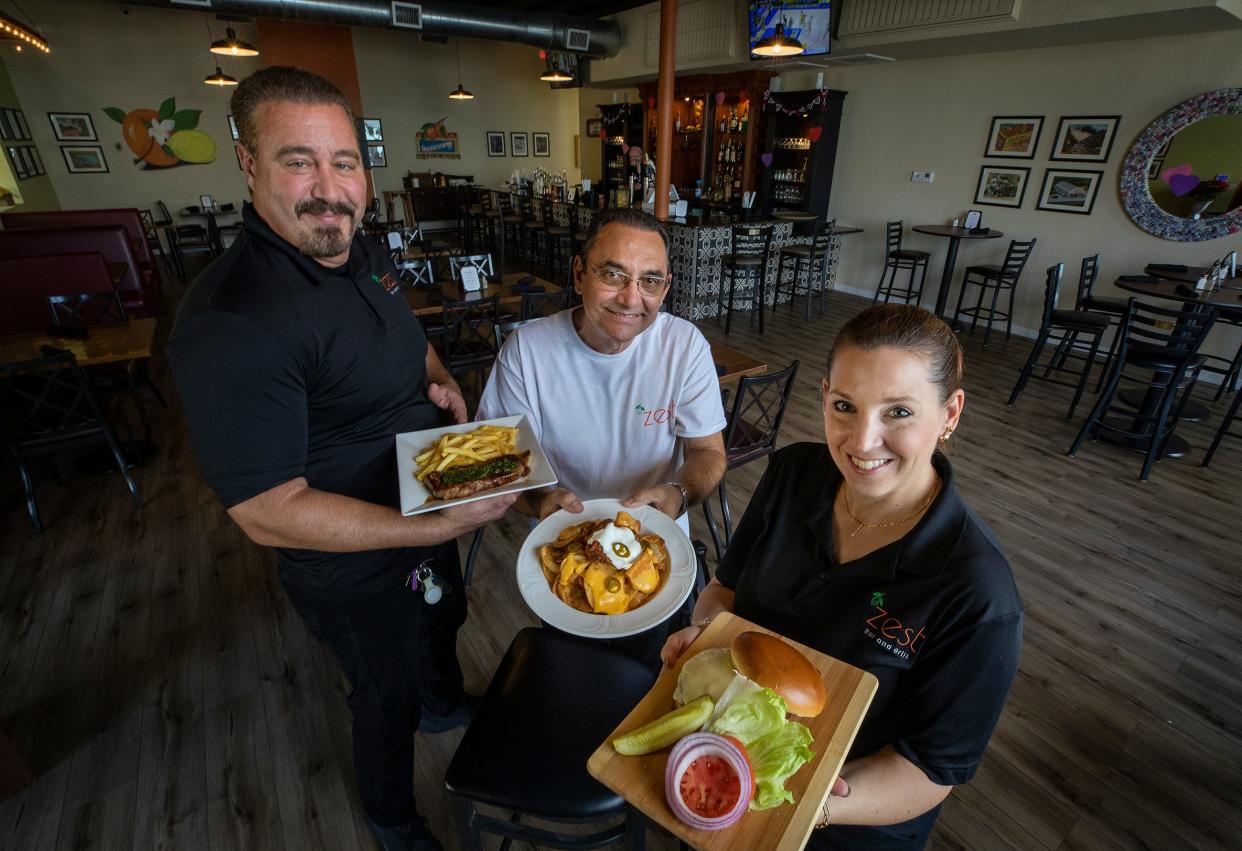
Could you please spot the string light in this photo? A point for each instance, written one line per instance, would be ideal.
(10, 28)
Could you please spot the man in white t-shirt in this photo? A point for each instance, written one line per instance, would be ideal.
(624, 399)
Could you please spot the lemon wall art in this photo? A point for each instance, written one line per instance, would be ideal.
(164, 137)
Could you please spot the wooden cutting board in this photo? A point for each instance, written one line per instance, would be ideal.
(640, 779)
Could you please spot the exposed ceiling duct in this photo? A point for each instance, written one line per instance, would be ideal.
(435, 19)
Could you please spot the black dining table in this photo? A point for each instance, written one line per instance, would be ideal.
(955, 237)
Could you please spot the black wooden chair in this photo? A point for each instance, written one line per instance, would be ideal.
(538, 305)
(481, 262)
(996, 278)
(1110, 307)
(1062, 328)
(1224, 431)
(469, 339)
(897, 259)
(1159, 351)
(184, 240)
(232, 230)
(526, 750)
(746, 264)
(48, 404)
(808, 265)
(754, 424)
(417, 272)
(151, 233)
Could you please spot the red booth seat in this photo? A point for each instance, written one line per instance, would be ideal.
(26, 282)
(110, 241)
(127, 218)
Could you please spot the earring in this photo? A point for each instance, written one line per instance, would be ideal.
(944, 438)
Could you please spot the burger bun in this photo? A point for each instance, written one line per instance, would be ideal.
(775, 664)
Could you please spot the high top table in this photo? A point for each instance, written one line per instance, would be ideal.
(955, 236)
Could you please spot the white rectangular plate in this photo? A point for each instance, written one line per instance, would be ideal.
(416, 499)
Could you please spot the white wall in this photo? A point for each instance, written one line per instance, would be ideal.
(103, 57)
(106, 54)
(405, 83)
(934, 115)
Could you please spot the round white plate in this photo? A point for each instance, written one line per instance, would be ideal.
(558, 613)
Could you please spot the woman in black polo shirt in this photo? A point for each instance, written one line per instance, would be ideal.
(862, 548)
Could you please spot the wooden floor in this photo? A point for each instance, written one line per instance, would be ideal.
(157, 681)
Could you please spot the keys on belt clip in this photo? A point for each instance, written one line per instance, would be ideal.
(433, 587)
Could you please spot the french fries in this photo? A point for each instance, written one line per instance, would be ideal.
(458, 450)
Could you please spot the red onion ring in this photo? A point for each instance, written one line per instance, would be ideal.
(686, 751)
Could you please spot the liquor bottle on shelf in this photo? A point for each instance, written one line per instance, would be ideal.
(722, 123)
(677, 123)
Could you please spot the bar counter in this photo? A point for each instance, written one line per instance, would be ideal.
(696, 244)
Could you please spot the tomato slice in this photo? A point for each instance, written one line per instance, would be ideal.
(741, 747)
(710, 787)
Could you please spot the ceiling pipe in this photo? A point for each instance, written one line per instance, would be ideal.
(435, 19)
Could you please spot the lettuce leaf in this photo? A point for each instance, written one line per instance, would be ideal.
(774, 758)
(775, 746)
(751, 715)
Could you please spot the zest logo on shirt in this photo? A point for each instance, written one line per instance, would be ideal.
(659, 416)
(391, 285)
(891, 633)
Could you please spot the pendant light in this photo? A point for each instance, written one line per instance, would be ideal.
(778, 44)
(22, 34)
(219, 78)
(460, 93)
(231, 45)
(554, 73)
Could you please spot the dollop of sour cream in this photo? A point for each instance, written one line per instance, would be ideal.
(619, 544)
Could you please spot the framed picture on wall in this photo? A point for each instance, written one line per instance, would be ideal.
(7, 132)
(1014, 136)
(85, 159)
(543, 144)
(1154, 168)
(33, 163)
(19, 123)
(518, 144)
(1085, 138)
(233, 129)
(1001, 186)
(373, 129)
(377, 156)
(17, 162)
(594, 126)
(72, 126)
(1068, 190)
(495, 143)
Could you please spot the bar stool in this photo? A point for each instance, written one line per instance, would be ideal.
(533, 229)
(898, 259)
(808, 262)
(1224, 431)
(558, 241)
(527, 747)
(747, 260)
(1062, 327)
(995, 278)
(1160, 343)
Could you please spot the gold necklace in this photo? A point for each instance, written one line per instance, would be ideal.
(861, 525)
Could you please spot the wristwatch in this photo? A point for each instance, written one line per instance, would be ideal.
(685, 496)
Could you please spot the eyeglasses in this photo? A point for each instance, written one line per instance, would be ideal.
(614, 281)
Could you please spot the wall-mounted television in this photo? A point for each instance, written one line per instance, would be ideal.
(809, 21)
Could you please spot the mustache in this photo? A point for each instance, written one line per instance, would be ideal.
(317, 207)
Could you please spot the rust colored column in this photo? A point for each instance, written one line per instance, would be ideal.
(664, 105)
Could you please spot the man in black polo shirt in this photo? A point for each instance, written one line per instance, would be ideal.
(297, 359)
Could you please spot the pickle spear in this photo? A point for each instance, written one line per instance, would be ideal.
(666, 729)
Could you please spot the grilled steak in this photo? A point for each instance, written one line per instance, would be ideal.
(459, 482)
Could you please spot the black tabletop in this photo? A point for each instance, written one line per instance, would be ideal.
(1225, 297)
(960, 233)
